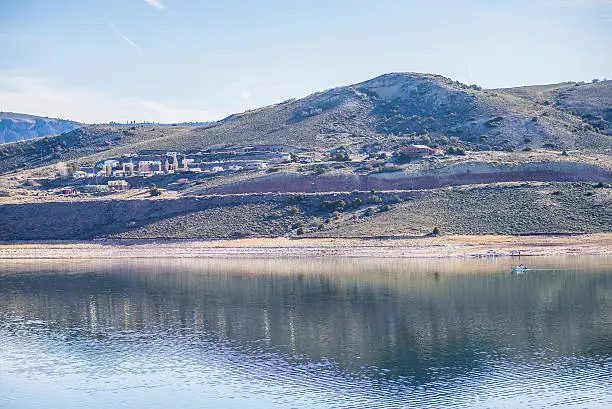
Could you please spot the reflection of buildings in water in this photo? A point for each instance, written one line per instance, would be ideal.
(396, 318)
(125, 313)
(266, 323)
(93, 317)
(221, 323)
(292, 331)
(197, 320)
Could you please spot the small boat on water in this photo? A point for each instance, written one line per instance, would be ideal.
(520, 269)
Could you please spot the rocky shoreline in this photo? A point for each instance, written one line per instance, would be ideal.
(451, 246)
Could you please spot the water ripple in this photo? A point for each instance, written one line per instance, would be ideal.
(147, 340)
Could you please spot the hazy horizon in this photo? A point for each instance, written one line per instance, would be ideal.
(186, 61)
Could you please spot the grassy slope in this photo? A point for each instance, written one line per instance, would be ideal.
(582, 98)
(500, 209)
(592, 103)
(233, 221)
(532, 209)
(538, 93)
(515, 208)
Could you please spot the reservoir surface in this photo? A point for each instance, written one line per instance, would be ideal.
(306, 333)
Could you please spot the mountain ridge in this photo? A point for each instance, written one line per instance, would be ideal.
(16, 127)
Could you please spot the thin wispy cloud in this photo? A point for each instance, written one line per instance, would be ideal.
(579, 3)
(246, 95)
(156, 4)
(127, 40)
(39, 96)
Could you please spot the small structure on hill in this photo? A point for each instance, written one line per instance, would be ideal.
(257, 165)
(111, 162)
(418, 151)
(149, 166)
(108, 166)
(79, 174)
(174, 165)
(68, 190)
(117, 185)
(95, 188)
(128, 168)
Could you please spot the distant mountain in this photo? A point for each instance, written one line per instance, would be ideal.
(17, 127)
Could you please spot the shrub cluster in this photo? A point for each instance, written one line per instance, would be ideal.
(335, 205)
(455, 151)
(494, 122)
(340, 157)
(375, 199)
(357, 202)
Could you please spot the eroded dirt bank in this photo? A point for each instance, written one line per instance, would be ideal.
(455, 175)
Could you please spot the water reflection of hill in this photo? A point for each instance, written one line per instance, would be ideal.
(413, 318)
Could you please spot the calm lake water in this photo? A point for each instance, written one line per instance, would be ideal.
(306, 333)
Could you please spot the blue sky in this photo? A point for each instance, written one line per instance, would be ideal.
(189, 60)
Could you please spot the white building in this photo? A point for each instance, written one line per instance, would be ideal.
(79, 174)
(111, 162)
(147, 166)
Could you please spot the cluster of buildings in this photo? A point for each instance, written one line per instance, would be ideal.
(146, 168)
(180, 163)
(111, 186)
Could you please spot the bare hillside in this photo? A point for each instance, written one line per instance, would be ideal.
(383, 113)
(592, 103)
